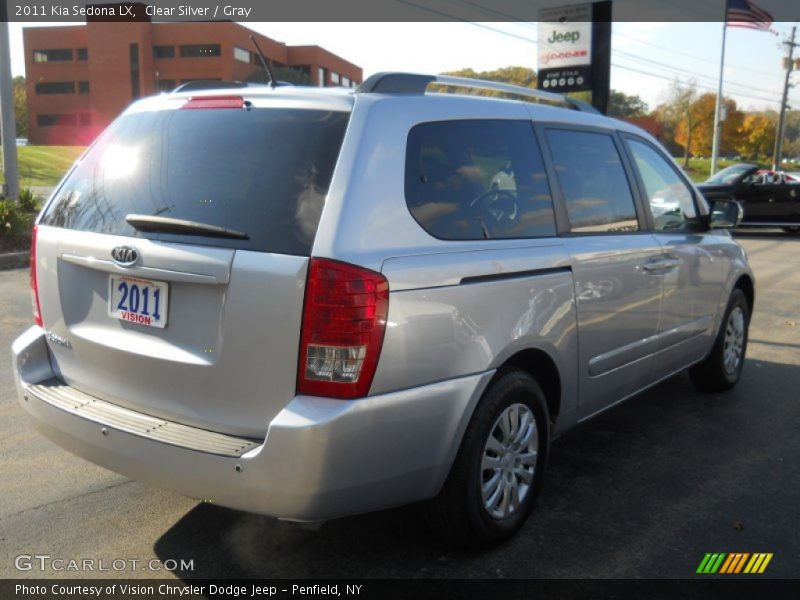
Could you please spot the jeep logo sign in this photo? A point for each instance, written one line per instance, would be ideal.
(125, 256)
(556, 37)
(565, 37)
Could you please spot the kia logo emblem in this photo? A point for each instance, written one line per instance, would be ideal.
(125, 256)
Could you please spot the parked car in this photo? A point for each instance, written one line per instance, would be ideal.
(311, 303)
(769, 198)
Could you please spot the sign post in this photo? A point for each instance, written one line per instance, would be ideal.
(7, 125)
(575, 50)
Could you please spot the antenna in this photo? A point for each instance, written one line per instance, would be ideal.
(272, 82)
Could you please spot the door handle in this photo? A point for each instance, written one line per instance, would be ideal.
(666, 264)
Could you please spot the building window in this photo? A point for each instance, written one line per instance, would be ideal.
(134, 62)
(200, 50)
(84, 119)
(203, 79)
(166, 85)
(345, 81)
(69, 120)
(242, 55)
(83, 54)
(164, 51)
(335, 78)
(42, 56)
(83, 87)
(56, 87)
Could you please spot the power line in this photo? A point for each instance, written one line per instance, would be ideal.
(699, 85)
(694, 56)
(745, 88)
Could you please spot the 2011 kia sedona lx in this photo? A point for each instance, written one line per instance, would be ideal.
(310, 303)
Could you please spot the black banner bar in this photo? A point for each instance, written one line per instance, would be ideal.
(364, 10)
(507, 589)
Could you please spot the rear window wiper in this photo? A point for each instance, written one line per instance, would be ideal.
(170, 225)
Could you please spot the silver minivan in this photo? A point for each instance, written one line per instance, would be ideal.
(311, 303)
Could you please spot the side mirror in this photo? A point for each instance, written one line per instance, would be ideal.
(725, 214)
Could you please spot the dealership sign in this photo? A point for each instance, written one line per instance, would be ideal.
(574, 49)
(565, 48)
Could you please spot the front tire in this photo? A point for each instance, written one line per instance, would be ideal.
(497, 473)
(792, 229)
(723, 367)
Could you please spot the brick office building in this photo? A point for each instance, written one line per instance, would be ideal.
(79, 78)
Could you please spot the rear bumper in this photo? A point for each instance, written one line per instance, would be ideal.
(320, 459)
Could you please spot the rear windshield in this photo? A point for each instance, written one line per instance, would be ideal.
(263, 172)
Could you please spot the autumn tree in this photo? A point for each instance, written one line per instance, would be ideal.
(676, 115)
(701, 141)
(757, 136)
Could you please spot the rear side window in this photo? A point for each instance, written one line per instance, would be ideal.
(593, 181)
(264, 172)
(478, 179)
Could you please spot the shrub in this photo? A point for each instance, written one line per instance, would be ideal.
(28, 201)
(12, 220)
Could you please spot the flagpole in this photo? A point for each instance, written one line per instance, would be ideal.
(718, 109)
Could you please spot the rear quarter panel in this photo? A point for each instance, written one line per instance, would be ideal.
(461, 313)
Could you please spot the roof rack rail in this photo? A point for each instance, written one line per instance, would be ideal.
(414, 83)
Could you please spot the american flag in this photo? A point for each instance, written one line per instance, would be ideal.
(744, 13)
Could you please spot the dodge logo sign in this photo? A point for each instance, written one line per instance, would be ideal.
(125, 256)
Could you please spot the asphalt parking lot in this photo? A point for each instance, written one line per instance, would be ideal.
(645, 490)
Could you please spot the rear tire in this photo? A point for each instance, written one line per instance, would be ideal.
(497, 473)
(722, 368)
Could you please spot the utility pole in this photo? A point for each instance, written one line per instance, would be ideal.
(776, 158)
(7, 126)
(719, 105)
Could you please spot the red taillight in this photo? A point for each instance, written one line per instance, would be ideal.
(344, 318)
(215, 102)
(37, 313)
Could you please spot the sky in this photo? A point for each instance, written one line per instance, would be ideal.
(646, 57)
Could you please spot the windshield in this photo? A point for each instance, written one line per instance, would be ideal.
(262, 171)
(729, 174)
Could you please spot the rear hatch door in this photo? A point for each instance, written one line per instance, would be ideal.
(187, 322)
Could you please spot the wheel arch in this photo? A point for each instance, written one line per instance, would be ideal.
(541, 366)
(745, 283)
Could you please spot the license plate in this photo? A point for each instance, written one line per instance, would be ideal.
(136, 300)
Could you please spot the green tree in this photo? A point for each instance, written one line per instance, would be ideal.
(20, 106)
(521, 76)
(622, 105)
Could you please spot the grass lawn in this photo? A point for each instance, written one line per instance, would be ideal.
(700, 168)
(43, 165)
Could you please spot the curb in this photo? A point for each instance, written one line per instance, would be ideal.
(14, 260)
